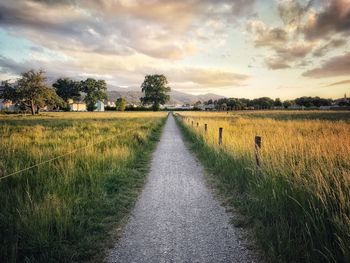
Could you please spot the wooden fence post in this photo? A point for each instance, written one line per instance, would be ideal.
(197, 124)
(192, 123)
(220, 136)
(258, 150)
(205, 127)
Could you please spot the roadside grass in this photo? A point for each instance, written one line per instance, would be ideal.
(298, 201)
(65, 210)
(281, 115)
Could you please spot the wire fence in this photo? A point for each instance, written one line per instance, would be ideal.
(66, 154)
(257, 139)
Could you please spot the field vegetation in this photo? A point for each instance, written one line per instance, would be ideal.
(298, 200)
(66, 210)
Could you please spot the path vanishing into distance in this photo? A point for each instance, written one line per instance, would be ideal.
(177, 218)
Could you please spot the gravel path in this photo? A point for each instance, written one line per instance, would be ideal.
(176, 218)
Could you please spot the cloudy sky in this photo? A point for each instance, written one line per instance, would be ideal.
(239, 48)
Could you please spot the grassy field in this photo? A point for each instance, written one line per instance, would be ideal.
(66, 210)
(298, 201)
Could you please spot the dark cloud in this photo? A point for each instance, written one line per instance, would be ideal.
(289, 56)
(8, 65)
(334, 43)
(56, 69)
(207, 77)
(243, 7)
(271, 37)
(55, 2)
(265, 36)
(160, 28)
(336, 66)
(306, 31)
(184, 77)
(285, 47)
(37, 49)
(292, 11)
(294, 52)
(275, 63)
(339, 83)
(304, 63)
(335, 17)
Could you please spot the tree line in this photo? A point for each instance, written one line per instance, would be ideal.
(32, 92)
(266, 103)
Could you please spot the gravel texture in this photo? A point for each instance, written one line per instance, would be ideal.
(177, 218)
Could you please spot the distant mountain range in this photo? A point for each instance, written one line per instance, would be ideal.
(133, 95)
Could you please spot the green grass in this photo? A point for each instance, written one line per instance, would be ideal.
(298, 202)
(67, 210)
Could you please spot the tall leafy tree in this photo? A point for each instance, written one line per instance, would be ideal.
(155, 89)
(277, 102)
(95, 90)
(120, 104)
(67, 89)
(31, 92)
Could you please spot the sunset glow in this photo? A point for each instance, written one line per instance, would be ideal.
(235, 48)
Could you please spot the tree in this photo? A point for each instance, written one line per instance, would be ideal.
(288, 103)
(262, 103)
(304, 101)
(313, 101)
(120, 104)
(234, 104)
(155, 89)
(30, 92)
(277, 102)
(95, 90)
(67, 89)
(197, 103)
(209, 102)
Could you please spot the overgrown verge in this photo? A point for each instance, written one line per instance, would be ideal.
(64, 211)
(291, 222)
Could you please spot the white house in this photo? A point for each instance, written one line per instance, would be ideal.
(81, 106)
(77, 106)
(100, 106)
(110, 103)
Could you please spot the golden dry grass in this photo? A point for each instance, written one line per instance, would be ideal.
(61, 211)
(305, 161)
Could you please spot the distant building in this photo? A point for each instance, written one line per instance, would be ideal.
(133, 105)
(9, 106)
(81, 106)
(110, 103)
(100, 106)
(77, 106)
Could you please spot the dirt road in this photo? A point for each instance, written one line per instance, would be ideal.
(177, 218)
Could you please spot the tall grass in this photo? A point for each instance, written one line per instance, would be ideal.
(299, 198)
(66, 210)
